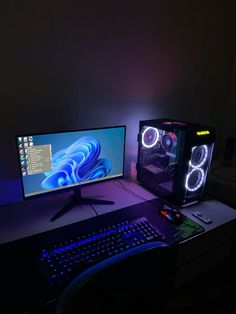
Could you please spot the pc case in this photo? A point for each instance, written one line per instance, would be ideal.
(174, 159)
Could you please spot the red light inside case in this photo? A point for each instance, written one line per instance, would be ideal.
(164, 212)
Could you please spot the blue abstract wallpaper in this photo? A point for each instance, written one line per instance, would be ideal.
(77, 163)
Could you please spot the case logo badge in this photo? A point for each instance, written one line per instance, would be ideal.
(205, 132)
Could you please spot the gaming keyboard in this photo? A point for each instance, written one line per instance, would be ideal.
(63, 261)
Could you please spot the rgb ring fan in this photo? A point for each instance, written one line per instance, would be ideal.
(199, 156)
(150, 137)
(168, 141)
(194, 179)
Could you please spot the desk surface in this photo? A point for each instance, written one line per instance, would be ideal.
(32, 217)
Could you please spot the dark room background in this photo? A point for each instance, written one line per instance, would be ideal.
(66, 66)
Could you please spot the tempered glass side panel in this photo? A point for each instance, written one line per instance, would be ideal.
(158, 159)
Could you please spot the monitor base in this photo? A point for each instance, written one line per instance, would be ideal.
(77, 199)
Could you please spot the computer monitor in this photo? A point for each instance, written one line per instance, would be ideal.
(52, 162)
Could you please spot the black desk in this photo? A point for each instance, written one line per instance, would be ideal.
(200, 244)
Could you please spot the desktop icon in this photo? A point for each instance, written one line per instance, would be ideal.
(24, 173)
(20, 145)
(25, 139)
(26, 145)
(31, 144)
(19, 139)
(22, 157)
(21, 151)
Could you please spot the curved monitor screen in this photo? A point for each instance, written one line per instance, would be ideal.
(56, 161)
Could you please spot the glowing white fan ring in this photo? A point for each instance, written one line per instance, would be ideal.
(204, 159)
(199, 184)
(156, 140)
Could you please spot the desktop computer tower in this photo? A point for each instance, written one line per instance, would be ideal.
(174, 158)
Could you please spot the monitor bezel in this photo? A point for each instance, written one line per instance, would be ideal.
(77, 186)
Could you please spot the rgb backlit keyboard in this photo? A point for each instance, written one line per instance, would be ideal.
(64, 260)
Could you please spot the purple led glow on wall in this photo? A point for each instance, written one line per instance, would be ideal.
(11, 191)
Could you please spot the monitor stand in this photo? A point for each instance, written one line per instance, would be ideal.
(77, 199)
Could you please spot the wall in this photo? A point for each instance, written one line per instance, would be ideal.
(231, 108)
(66, 66)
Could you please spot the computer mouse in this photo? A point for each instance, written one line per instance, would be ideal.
(171, 214)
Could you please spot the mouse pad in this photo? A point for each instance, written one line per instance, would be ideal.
(174, 233)
(187, 229)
